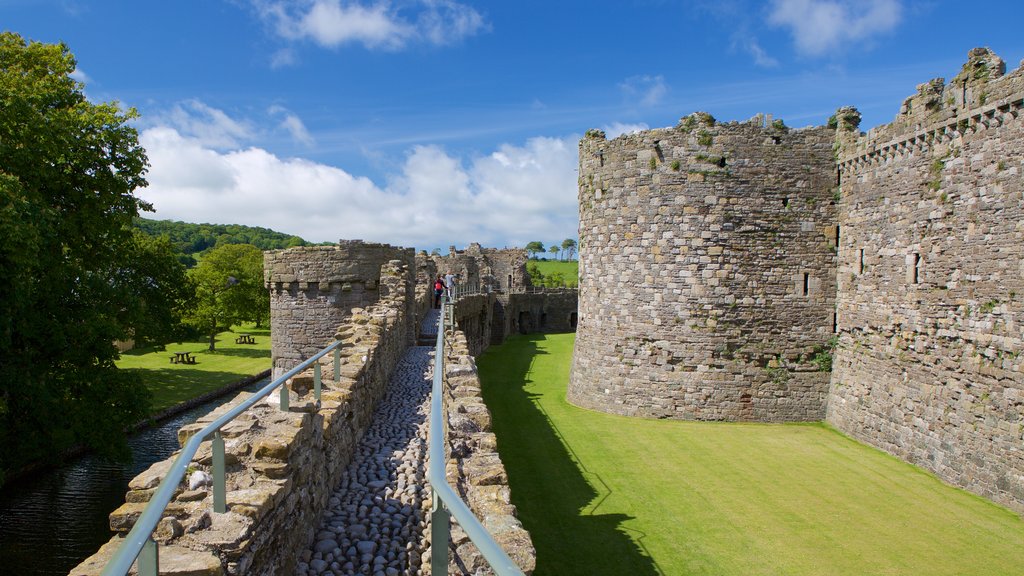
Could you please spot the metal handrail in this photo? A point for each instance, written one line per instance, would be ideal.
(139, 542)
(446, 501)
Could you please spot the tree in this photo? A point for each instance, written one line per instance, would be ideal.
(569, 245)
(229, 288)
(158, 280)
(68, 169)
(553, 250)
(535, 248)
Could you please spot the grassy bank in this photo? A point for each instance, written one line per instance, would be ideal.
(569, 270)
(603, 494)
(172, 384)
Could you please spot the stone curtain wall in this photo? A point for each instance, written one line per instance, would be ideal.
(931, 282)
(282, 466)
(707, 271)
(475, 469)
(543, 310)
(313, 288)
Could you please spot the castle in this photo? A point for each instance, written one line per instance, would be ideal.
(752, 272)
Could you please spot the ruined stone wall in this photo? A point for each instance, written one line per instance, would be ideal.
(475, 469)
(473, 318)
(313, 289)
(543, 310)
(931, 282)
(281, 466)
(707, 271)
(500, 269)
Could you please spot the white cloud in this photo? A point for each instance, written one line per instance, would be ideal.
(282, 58)
(616, 129)
(379, 24)
(645, 90)
(508, 197)
(293, 125)
(761, 57)
(209, 126)
(80, 75)
(821, 26)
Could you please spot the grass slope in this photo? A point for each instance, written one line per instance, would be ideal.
(604, 494)
(172, 384)
(569, 270)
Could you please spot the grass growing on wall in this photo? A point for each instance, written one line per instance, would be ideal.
(172, 384)
(609, 495)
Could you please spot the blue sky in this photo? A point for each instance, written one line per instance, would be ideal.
(431, 123)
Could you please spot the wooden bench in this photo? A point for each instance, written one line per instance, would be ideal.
(245, 339)
(183, 358)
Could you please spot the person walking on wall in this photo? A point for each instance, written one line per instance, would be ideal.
(438, 290)
(449, 285)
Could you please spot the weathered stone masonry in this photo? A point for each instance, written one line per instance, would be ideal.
(707, 276)
(313, 288)
(707, 270)
(931, 282)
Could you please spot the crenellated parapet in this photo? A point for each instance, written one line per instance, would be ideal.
(314, 288)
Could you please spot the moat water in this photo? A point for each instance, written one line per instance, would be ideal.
(53, 520)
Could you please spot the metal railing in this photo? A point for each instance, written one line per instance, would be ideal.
(139, 543)
(446, 501)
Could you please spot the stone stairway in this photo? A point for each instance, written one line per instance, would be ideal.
(376, 518)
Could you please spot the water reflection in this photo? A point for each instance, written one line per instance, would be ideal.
(51, 522)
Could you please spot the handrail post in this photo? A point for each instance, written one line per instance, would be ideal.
(337, 364)
(316, 381)
(220, 501)
(439, 530)
(284, 396)
(149, 559)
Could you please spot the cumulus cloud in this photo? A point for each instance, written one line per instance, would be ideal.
(645, 90)
(821, 26)
(616, 129)
(376, 25)
(508, 197)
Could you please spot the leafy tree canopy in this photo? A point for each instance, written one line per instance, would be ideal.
(190, 238)
(229, 288)
(535, 247)
(68, 259)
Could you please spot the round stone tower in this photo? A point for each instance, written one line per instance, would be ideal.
(707, 271)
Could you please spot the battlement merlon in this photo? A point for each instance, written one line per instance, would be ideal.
(980, 92)
(348, 261)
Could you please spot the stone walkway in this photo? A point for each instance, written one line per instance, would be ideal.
(376, 519)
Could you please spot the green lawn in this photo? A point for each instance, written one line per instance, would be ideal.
(172, 384)
(570, 270)
(605, 494)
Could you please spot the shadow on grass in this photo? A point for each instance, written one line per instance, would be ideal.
(555, 494)
(178, 383)
(241, 352)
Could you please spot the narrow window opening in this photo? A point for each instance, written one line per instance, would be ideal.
(837, 236)
(807, 283)
(721, 162)
(785, 202)
(509, 286)
(839, 177)
(835, 322)
(917, 268)
(860, 262)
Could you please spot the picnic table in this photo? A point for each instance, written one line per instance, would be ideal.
(245, 339)
(183, 358)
